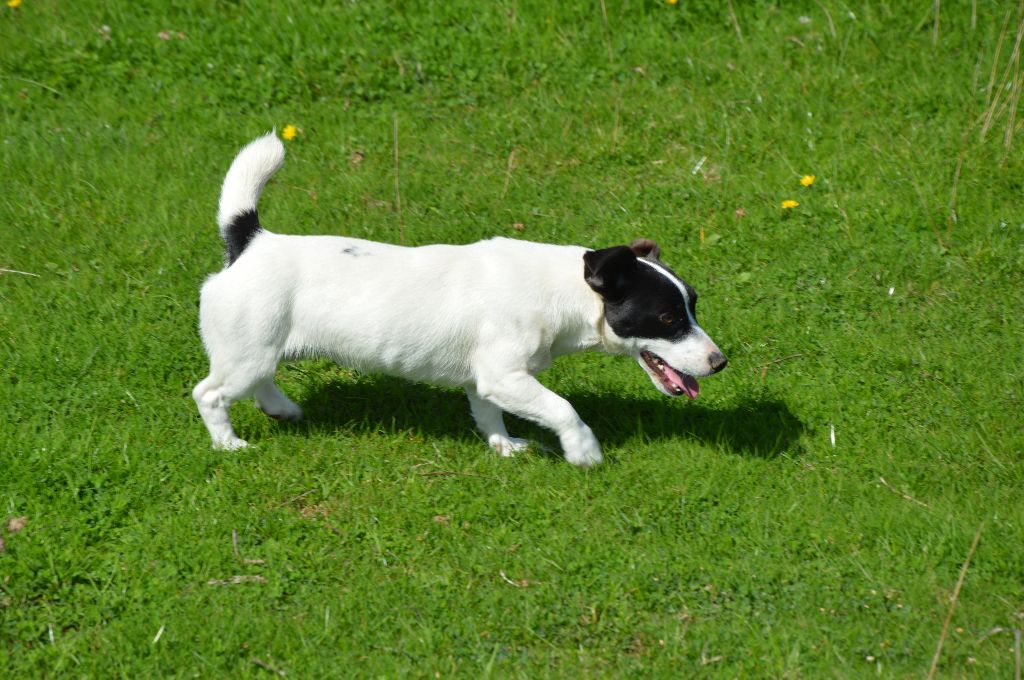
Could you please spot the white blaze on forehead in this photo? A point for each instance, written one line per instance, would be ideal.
(675, 282)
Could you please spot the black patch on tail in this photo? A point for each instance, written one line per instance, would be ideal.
(244, 226)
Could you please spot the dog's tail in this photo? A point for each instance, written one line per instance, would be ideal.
(248, 174)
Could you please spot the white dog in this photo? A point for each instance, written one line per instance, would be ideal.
(486, 316)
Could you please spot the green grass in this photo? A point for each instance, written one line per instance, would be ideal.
(725, 537)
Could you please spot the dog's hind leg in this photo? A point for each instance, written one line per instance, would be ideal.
(213, 402)
(491, 424)
(272, 401)
(229, 381)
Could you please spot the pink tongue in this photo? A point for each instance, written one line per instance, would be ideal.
(688, 383)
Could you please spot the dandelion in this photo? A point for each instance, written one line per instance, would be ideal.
(289, 132)
(807, 180)
(14, 4)
(672, 2)
(789, 204)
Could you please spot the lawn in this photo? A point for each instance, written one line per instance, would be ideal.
(846, 499)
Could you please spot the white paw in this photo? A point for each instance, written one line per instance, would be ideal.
(507, 446)
(230, 444)
(582, 448)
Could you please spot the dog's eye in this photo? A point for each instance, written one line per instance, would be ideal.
(667, 319)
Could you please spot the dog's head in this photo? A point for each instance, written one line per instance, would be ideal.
(651, 315)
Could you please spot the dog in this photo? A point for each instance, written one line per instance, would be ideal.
(486, 317)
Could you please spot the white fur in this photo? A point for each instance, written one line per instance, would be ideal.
(248, 174)
(486, 317)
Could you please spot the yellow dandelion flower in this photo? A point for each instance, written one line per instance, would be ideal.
(289, 132)
(14, 4)
(789, 204)
(807, 180)
(672, 2)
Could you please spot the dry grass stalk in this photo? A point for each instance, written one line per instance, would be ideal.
(1013, 64)
(267, 667)
(903, 495)
(398, 185)
(611, 65)
(828, 17)
(236, 580)
(509, 167)
(953, 601)
(735, 22)
(1011, 118)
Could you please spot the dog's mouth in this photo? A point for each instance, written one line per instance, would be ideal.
(672, 381)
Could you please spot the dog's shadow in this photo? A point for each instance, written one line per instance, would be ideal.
(761, 427)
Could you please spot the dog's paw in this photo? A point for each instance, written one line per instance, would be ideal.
(230, 444)
(286, 415)
(582, 448)
(507, 446)
(284, 410)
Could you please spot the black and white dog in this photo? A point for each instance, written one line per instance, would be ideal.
(486, 316)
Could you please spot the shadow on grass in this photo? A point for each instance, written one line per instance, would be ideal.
(761, 427)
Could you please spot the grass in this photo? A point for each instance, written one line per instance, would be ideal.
(725, 537)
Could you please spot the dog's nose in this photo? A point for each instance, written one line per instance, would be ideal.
(717, 361)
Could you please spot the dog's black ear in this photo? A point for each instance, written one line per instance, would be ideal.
(609, 270)
(645, 247)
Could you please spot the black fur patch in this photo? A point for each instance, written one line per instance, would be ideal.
(639, 300)
(653, 307)
(244, 226)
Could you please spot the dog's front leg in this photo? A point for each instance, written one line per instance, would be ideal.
(521, 394)
(492, 425)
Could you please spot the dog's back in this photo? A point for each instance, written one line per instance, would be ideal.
(419, 312)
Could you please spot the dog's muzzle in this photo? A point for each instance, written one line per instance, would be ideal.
(674, 382)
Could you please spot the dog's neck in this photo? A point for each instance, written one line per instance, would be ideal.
(584, 328)
(601, 337)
